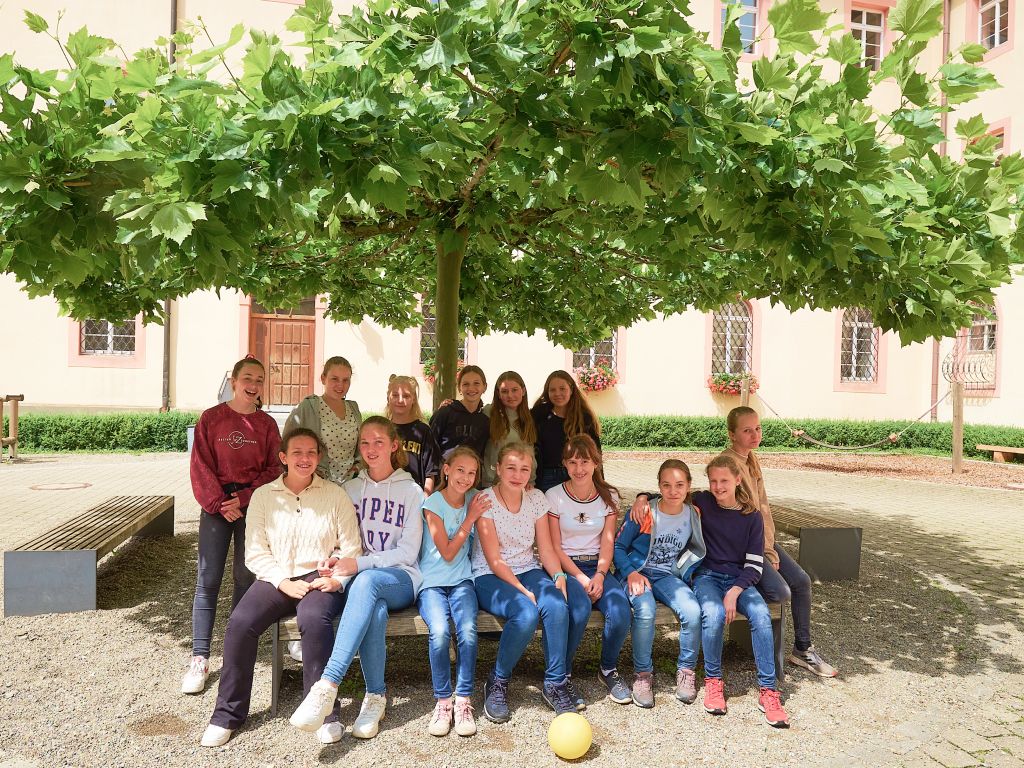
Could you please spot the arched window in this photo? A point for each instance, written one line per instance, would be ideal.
(428, 336)
(858, 358)
(732, 339)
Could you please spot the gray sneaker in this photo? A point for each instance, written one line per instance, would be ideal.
(643, 690)
(686, 685)
(574, 694)
(618, 691)
(810, 660)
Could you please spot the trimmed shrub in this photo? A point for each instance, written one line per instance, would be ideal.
(54, 432)
(709, 433)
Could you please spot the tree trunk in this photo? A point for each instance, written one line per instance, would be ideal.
(451, 250)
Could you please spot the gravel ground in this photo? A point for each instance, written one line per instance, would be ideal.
(101, 688)
(902, 466)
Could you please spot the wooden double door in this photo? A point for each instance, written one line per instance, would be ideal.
(286, 347)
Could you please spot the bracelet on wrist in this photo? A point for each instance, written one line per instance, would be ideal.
(557, 576)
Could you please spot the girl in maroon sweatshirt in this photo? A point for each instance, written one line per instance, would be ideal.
(233, 454)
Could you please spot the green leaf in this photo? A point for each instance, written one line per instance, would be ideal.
(972, 128)
(759, 134)
(857, 80)
(845, 49)
(217, 51)
(35, 22)
(973, 53)
(793, 21)
(437, 54)
(6, 67)
(830, 164)
(174, 220)
(140, 75)
(772, 74)
(962, 82)
(917, 19)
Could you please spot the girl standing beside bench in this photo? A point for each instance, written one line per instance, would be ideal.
(235, 451)
(560, 412)
(388, 503)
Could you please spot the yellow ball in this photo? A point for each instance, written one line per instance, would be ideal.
(570, 736)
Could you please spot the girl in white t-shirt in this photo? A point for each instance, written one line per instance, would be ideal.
(512, 585)
(583, 516)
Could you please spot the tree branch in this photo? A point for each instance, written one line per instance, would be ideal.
(560, 58)
(481, 168)
(473, 86)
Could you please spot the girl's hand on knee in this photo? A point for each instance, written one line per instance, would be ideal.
(532, 597)
(346, 566)
(295, 589)
(729, 601)
(637, 583)
(640, 510)
(584, 581)
(596, 587)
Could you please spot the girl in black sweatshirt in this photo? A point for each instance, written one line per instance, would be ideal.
(560, 412)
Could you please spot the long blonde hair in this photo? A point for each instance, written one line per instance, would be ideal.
(742, 495)
(499, 419)
(409, 383)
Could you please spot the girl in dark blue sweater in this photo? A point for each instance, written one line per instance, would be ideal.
(724, 584)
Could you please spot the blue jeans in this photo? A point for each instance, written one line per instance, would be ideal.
(364, 622)
(437, 605)
(710, 588)
(215, 534)
(521, 616)
(673, 592)
(790, 584)
(613, 603)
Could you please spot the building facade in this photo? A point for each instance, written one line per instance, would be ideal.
(809, 363)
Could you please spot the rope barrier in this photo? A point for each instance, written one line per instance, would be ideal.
(892, 439)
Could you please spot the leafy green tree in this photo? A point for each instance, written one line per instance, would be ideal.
(565, 165)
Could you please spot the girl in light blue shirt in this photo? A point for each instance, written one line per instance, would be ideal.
(448, 593)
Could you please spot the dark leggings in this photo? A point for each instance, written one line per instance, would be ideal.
(261, 606)
(790, 583)
(215, 534)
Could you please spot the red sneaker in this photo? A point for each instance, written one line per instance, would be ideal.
(714, 696)
(769, 703)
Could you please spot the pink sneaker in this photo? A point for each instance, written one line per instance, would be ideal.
(770, 703)
(714, 696)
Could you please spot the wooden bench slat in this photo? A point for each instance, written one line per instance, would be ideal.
(86, 531)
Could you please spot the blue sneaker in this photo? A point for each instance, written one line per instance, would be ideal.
(574, 694)
(557, 697)
(496, 699)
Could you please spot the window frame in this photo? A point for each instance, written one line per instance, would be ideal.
(764, 47)
(469, 345)
(973, 27)
(963, 341)
(877, 385)
(754, 311)
(79, 359)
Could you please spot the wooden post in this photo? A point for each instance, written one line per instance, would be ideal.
(11, 441)
(745, 392)
(958, 427)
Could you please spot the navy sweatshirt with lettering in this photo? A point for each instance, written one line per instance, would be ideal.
(734, 541)
(421, 448)
(453, 426)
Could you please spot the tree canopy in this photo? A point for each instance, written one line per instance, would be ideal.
(565, 165)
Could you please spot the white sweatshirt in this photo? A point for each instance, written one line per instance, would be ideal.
(390, 521)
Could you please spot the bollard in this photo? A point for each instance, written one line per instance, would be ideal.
(11, 441)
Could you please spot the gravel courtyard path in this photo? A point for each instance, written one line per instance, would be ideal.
(929, 642)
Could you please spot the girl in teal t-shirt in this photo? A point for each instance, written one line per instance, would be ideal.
(447, 592)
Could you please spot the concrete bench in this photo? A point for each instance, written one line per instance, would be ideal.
(829, 549)
(408, 622)
(56, 571)
(1002, 453)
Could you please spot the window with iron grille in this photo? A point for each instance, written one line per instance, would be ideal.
(732, 339)
(858, 359)
(428, 336)
(747, 23)
(306, 308)
(993, 22)
(981, 337)
(868, 29)
(101, 337)
(604, 352)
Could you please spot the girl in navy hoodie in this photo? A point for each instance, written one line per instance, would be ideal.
(463, 422)
(726, 583)
(388, 503)
(560, 412)
(658, 557)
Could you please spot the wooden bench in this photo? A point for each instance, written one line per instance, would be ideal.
(408, 622)
(1002, 453)
(56, 571)
(829, 549)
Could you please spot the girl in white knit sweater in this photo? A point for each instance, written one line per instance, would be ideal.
(293, 523)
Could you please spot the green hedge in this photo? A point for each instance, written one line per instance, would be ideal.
(103, 432)
(708, 433)
(166, 432)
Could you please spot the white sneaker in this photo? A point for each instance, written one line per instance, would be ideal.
(441, 722)
(315, 707)
(295, 650)
(329, 733)
(194, 680)
(215, 736)
(465, 724)
(370, 715)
